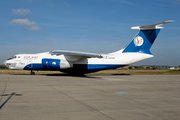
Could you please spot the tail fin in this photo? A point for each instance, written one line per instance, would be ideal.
(143, 41)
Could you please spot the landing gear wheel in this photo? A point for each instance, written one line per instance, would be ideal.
(32, 73)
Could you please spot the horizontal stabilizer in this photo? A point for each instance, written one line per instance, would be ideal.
(74, 53)
(152, 26)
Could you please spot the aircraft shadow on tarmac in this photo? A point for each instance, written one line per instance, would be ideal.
(10, 95)
(85, 76)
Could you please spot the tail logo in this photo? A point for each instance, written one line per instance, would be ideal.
(138, 41)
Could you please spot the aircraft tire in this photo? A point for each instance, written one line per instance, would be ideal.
(32, 73)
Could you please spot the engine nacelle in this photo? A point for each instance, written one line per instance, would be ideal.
(64, 64)
(56, 63)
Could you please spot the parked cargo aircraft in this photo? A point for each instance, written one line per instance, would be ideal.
(81, 62)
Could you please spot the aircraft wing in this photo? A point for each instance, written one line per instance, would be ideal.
(75, 54)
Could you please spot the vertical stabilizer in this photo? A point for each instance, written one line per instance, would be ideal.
(143, 41)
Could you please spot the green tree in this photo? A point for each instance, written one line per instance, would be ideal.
(3, 67)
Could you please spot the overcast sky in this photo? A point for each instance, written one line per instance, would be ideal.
(96, 26)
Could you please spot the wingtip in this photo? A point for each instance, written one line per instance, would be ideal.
(169, 21)
(152, 26)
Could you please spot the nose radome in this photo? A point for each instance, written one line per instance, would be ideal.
(5, 63)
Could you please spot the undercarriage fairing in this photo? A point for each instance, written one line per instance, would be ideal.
(86, 68)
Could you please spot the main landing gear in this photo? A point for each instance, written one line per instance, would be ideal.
(32, 73)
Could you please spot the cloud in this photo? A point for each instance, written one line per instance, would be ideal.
(22, 21)
(20, 11)
(31, 25)
(33, 28)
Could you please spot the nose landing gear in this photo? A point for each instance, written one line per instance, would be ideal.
(32, 73)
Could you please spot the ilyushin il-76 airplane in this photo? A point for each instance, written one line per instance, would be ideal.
(80, 63)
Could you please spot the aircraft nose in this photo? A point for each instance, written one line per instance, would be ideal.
(6, 64)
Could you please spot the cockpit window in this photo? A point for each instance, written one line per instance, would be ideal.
(12, 57)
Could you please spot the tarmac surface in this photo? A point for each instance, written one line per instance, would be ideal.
(91, 97)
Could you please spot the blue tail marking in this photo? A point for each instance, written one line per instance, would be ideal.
(143, 41)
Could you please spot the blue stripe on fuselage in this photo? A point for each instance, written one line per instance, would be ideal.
(102, 66)
(34, 66)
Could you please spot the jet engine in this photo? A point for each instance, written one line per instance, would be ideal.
(56, 63)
